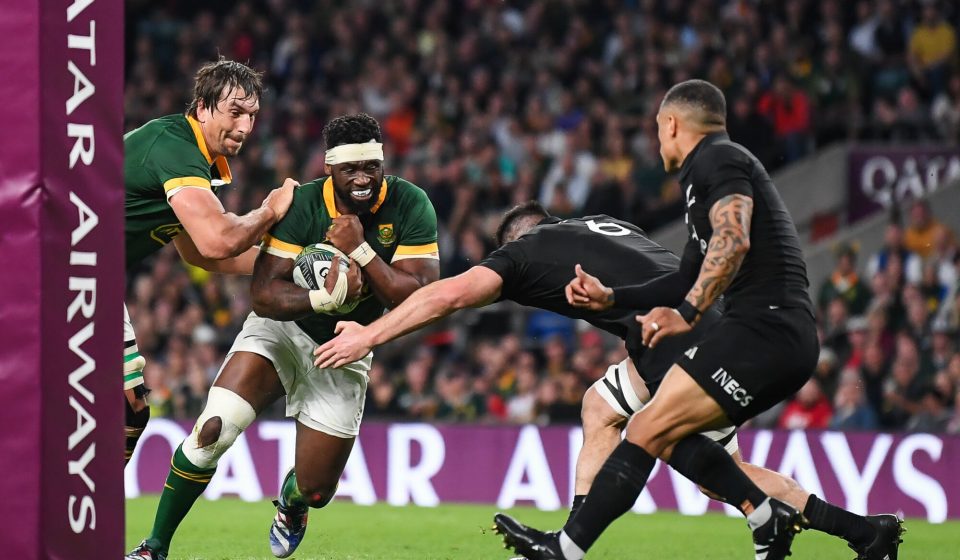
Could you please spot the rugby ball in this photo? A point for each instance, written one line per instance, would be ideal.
(312, 266)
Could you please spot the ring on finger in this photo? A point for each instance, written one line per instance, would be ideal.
(655, 326)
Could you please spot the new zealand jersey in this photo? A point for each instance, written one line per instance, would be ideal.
(773, 273)
(402, 224)
(537, 266)
(160, 158)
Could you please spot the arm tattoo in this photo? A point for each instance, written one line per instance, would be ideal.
(730, 218)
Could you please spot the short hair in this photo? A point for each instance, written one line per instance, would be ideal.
(702, 97)
(351, 129)
(514, 218)
(213, 77)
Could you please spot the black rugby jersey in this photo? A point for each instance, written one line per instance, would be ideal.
(773, 272)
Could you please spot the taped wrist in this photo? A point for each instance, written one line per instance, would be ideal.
(323, 302)
(689, 313)
(363, 254)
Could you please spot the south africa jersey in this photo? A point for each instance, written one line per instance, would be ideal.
(162, 157)
(402, 224)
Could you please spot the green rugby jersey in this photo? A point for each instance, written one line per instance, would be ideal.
(160, 158)
(402, 225)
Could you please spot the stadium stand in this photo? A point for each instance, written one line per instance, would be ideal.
(485, 104)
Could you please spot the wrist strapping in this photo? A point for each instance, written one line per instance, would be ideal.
(689, 313)
(363, 254)
(322, 302)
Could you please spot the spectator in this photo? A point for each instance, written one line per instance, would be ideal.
(845, 283)
(788, 107)
(895, 248)
(748, 127)
(945, 111)
(809, 409)
(933, 43)
(932, 416)
(851, 410)
(924, 230)
(902, 393)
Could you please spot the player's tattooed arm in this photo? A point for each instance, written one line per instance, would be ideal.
(730, 219)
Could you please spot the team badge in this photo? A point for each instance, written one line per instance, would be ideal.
(385, 234)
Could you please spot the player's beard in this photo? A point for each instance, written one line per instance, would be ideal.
(359, 206)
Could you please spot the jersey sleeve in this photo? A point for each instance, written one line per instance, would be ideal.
(418, 231)
(508, 263)
(729, 173)
(178, 165)
(291, 234)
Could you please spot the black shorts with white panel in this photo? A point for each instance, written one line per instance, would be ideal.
(754, 357)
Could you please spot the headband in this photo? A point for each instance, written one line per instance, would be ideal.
(354, 152)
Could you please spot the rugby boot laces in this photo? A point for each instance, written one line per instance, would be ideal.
(287, 530)
(528, 542)
(886, 541)
(772, 540)
(145, 552)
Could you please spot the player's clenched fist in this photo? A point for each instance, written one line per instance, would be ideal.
(587, 292)
(354, 278)
(345, 233)
(279, 199)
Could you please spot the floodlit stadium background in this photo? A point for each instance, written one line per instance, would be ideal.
(854, 107)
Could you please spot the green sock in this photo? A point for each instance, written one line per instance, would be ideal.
(184, 485)
(290, 495)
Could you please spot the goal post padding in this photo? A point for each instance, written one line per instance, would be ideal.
(61, 279)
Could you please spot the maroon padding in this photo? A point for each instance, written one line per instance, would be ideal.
(47, 512)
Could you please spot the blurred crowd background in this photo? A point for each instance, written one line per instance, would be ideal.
(485, 104)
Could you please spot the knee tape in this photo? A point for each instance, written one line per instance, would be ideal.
(235, 415)
(616, 389)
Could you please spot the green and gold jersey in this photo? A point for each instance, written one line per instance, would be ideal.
(162, 157)
(402, 225)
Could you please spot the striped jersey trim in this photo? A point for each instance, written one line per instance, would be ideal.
(280, 248)
(199, 182)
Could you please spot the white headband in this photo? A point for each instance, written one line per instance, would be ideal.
(354, 152)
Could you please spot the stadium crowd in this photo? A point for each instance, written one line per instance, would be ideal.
(485, 104)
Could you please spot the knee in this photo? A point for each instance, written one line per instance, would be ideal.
(596, 414)
(221, 423)
(317, 494)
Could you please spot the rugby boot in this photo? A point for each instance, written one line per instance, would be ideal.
(287, 529)
(145, 552)
(772, 540)
(886, 541)
(530, 543)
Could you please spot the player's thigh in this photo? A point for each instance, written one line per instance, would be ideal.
(751, 361)
(253, 366)
(680, 408)
(320, 460)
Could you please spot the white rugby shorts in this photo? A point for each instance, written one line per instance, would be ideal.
(327, 400)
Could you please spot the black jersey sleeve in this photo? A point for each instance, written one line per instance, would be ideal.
(665, 291)
(730, 172)
(508, 264)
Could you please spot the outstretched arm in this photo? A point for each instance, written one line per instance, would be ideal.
(730, 219)
(476, 287)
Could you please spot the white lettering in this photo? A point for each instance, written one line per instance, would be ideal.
(89, 364)
(286, 435)
(79, 466)
(83, 88)
(406, 481)
(79, 520)
(87, 43)
(85, 424)
(82, 150)
(607, 228)
(355, 481)
(856, 485)
(798, 463)
(83, 287)
(236, 474)
(83, 258)
(88, 220)
(916, 484)
(529, 461)
(76, 7)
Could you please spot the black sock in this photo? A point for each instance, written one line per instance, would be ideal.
(708, 464)
(838, 522)
(613, 492)
(577, 502)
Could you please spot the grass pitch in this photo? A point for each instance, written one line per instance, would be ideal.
(235, 530)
